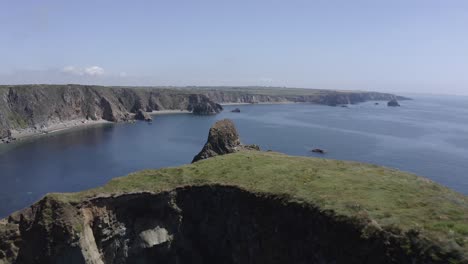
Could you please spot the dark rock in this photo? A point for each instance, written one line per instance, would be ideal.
(142, 115)
(317, 150)
(252, 147)
(237, 110)
(110, 112)
(222, 139)
(4, 133)
(393, 103)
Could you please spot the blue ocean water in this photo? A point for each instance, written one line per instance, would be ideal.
(427, 136)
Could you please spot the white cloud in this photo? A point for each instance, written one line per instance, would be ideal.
(94, 71)
(89, 71)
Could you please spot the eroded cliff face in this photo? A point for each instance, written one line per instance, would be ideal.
(37, 107)
(325, 97)
(201, 224)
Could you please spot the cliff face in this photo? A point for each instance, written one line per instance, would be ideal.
(331, 98)
(205, 224)
(37, 107)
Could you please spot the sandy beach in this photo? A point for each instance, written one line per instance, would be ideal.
(260, 103)
(166, 112)
(54, 128)
(72, 124)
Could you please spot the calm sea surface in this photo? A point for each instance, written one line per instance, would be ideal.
(427, 136)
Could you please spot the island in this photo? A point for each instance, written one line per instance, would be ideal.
(237, 204)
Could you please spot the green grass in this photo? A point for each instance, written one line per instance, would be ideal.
(389, 197)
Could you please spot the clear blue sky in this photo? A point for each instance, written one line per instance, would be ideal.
(396, 46)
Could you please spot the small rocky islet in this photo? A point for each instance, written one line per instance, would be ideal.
(393, 103)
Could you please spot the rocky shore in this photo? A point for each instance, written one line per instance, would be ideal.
(28, 110)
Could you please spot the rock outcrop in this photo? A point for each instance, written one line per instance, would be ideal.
(222, 139)
(34, 108)
(393, 103)
(201, 105)
(318, 150)
(142, 115)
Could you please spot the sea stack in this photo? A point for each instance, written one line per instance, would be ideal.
(393, 103)
(222, 139)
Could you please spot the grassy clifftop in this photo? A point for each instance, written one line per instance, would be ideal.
(299, 208)
(387, 198)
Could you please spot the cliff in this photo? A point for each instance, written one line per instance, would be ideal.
(246, 207)
(34, 108)
(293, 95)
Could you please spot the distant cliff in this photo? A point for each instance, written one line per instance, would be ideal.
(285, 95)
(32, 109)
(37, 107)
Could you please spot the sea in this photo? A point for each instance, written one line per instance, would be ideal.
(427, 136)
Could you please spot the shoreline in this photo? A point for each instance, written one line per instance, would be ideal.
(27, 133)
(169, 112)
(261, 103)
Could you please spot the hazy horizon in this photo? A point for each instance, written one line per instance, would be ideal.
(397, 47)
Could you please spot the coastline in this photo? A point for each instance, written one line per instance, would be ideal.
(261, 103)
(53, 128)
(169, 112)
(28, 133)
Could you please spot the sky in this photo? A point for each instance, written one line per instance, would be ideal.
(411, 46)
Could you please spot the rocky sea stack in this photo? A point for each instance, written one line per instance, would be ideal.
(222, 139)
(393, 103)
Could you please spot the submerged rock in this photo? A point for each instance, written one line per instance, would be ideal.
(393, 103)
(142, 115)
(317, 150)
(222, 139)
(237, 110)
